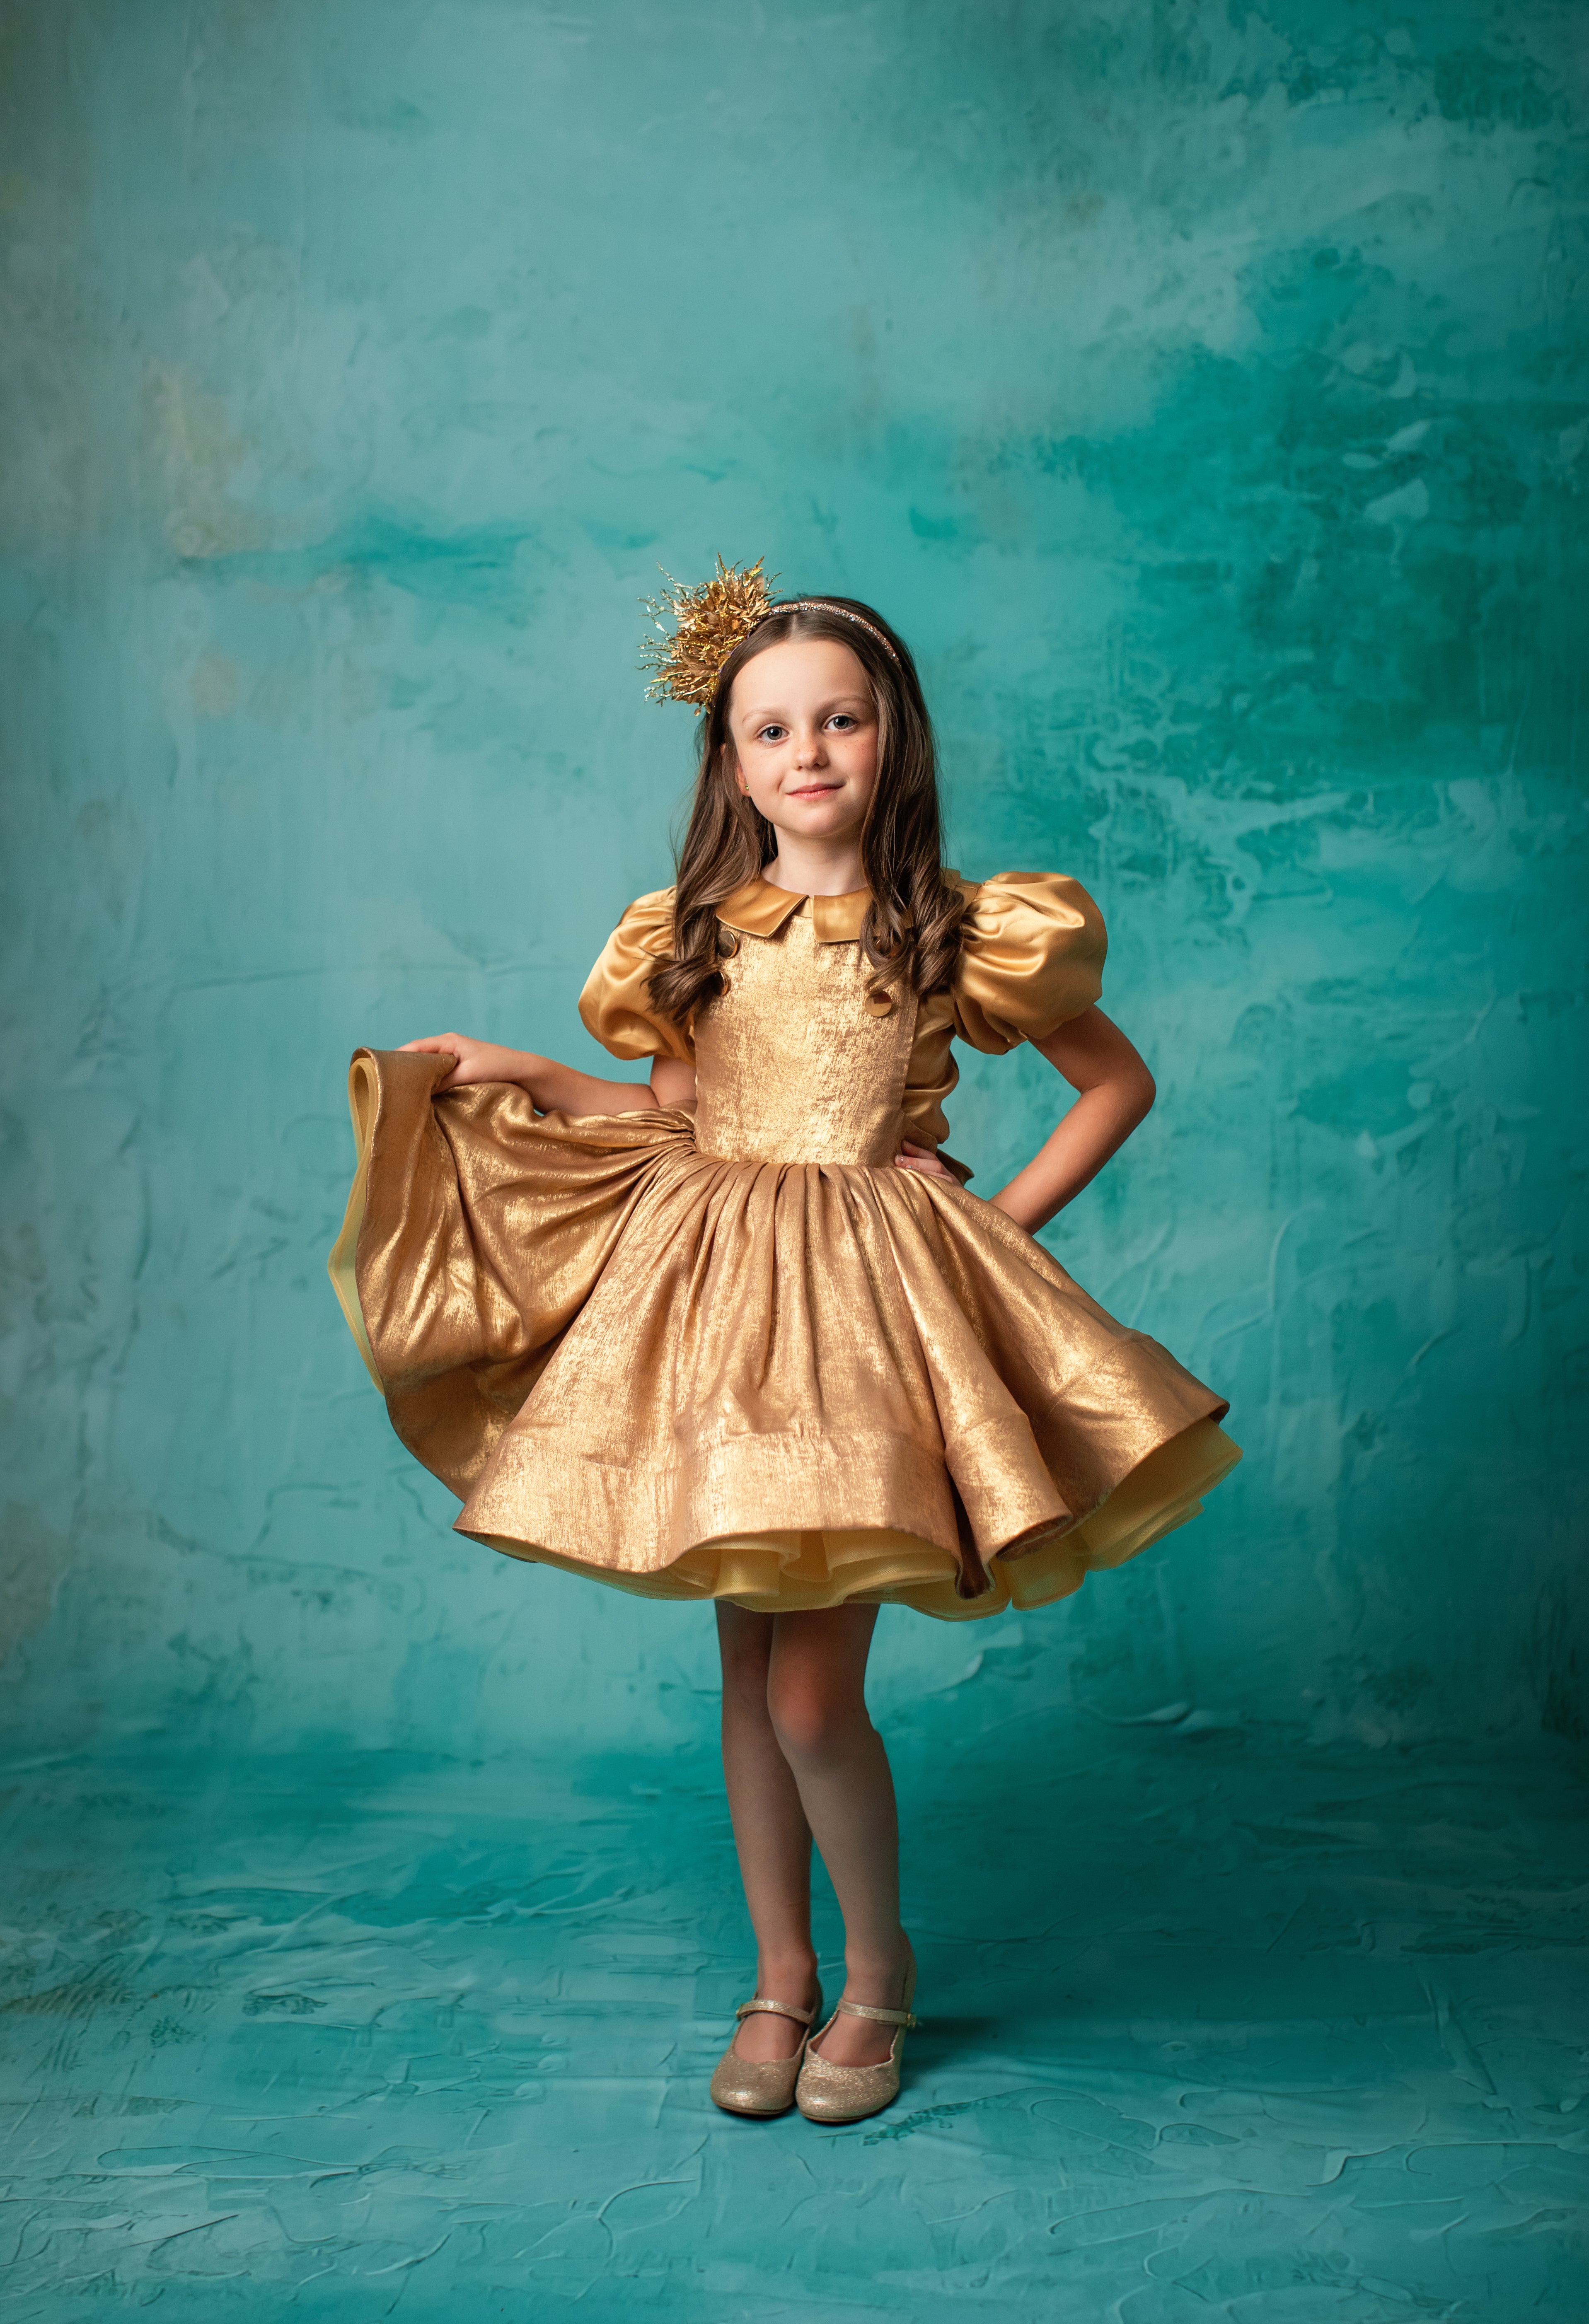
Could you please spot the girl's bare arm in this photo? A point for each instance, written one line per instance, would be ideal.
(555, 1088)
(1115, 1092)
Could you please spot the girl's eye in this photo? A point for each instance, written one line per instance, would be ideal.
(770, 734)
(842, 718)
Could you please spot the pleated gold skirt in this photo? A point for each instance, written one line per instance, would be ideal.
(791, 1385)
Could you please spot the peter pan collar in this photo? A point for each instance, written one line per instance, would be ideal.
(757, 909)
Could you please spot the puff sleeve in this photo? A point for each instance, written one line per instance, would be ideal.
(616, 1005)
(1031, 956)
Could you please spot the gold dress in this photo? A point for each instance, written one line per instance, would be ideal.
(731, 1350)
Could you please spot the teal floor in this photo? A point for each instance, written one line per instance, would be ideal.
(1214, 2030)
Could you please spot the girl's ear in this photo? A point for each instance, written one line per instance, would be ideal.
(732, 764)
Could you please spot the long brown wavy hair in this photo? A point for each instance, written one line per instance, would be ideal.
(911, 931)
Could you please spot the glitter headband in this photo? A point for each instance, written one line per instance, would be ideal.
(827, 605)
(714, 618)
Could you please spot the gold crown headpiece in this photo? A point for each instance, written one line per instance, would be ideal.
(713, 618)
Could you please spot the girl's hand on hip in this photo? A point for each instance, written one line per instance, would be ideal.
(477, 1061)
(922, 1159)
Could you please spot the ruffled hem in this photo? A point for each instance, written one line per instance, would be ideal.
(780, 1573)
(364, 1102)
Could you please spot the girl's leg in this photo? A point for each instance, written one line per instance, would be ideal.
(816, 1695)
(771, 1834)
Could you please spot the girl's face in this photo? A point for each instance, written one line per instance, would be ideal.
(804, 736)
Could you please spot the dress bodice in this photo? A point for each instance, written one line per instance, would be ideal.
(791, 1063)
(796, 1060)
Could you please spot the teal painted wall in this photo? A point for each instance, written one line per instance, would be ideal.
(1201, 390)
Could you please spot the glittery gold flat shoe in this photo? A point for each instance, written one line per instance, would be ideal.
(825, 2092)
(762, 2086)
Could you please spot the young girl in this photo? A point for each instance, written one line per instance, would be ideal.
(742, 1333)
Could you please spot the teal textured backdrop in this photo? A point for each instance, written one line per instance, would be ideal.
(1202, 392)
(1204, 389)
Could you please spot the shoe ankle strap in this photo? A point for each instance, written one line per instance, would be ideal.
(778, 2009)
(881, 2017)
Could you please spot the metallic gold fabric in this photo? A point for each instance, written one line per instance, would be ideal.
(730, 1349)
(1031, 956)
(786, 1001)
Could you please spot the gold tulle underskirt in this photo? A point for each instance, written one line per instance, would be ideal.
(803, 1572)
(614, 1349)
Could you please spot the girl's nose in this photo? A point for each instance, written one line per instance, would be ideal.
(808, 752)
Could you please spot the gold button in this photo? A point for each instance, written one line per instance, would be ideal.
(880, 1004)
